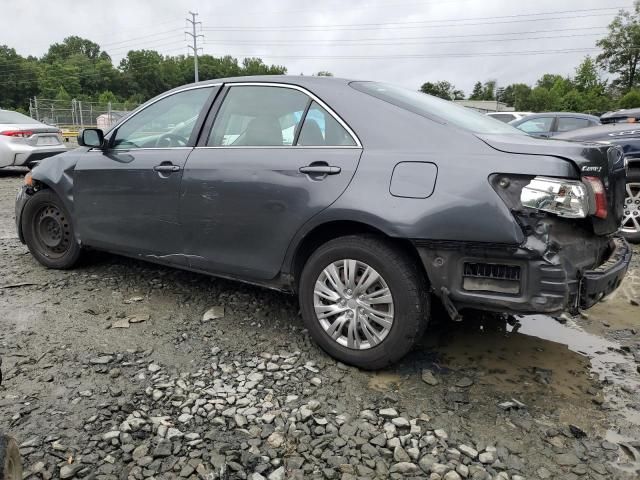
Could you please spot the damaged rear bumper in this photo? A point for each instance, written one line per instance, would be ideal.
(526, 279)
(601, 281)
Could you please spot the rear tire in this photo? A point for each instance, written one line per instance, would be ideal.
(631, 229)
(48, 231)
(364, 327)
(10, 462)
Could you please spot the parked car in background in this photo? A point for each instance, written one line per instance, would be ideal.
(628, 115)
(550, 124)
(24, 141)
(507, 117)
(626, 136)
(358, 196)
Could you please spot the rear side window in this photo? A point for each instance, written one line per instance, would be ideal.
(321, 129)
(258, 116)
(435, 108)
(566, 124)
(537, 125)
(503, 117)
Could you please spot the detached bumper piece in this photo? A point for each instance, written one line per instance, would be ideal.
(601, 281)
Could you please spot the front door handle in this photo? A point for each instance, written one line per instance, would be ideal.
(320, 170)
(166, 168)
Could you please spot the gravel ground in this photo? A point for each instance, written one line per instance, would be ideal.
(121, 369)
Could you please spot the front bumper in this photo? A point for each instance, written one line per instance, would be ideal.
(21, 200)
(524, 280)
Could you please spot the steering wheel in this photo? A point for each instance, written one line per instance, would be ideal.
(168, 139)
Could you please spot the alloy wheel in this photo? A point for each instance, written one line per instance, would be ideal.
(631, 218)
(353, 304)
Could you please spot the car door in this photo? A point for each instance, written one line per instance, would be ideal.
(126, 196)
(275, 157)
(538, 126)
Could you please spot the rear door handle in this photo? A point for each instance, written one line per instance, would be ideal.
(320, 170)
(166, 168)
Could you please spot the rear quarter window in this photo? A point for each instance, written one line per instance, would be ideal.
(435, 108)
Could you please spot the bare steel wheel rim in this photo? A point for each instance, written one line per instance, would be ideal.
(353, 304)
(631, 218)
(52, 231)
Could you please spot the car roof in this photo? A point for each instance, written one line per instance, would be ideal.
(602, 132)
(564, 114)
(622, 113)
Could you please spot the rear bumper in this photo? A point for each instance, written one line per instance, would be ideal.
(515, 279)
(21, 154)
(601, 281)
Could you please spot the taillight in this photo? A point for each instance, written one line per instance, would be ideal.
(598, 196)
(17, 133)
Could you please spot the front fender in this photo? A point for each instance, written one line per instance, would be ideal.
(56, 173)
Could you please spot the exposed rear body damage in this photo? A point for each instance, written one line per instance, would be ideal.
(364, 199)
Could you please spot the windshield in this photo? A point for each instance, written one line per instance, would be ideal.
(435, 108)
(7, 116)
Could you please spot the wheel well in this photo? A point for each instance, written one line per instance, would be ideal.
(331, 230)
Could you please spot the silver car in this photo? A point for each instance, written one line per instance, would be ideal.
(24, 141)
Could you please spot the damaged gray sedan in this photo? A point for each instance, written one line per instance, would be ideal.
(365, 199)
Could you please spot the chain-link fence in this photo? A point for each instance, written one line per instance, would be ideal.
(72, 115)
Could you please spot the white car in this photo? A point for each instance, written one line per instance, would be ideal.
(507, 117)
(24, 141)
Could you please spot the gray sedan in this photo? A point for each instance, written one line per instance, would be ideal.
(24, 141)
(366, 200)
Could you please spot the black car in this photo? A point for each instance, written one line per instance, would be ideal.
(365, 199)
(626, 136)
(625, 115)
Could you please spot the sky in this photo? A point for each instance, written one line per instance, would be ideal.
(406, 42)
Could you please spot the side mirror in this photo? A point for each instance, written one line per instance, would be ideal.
(91, 137)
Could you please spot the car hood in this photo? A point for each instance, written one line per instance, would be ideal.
(590, 159)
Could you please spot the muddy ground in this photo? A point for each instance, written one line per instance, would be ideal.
(245, 394)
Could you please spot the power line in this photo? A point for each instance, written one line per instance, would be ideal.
(357, 43)
(417, 55)
(415, 22)
(385, 26)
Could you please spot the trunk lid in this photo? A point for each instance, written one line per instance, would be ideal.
(590, 159)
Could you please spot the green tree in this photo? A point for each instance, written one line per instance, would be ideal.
(516, 95)
(631, 99)
(621, 48)
(255, 66)
(477, 92)
(75, 45)
(588, 77)
(442, 89)
(107, 96)
(324, 73)
(489, 90)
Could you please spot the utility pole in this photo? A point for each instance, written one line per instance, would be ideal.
(194, 37)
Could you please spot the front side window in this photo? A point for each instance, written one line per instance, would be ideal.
(537, 125)
(165, 124)
(258, 116)
(321, 129)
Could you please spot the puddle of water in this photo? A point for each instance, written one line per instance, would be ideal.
(384, 381)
